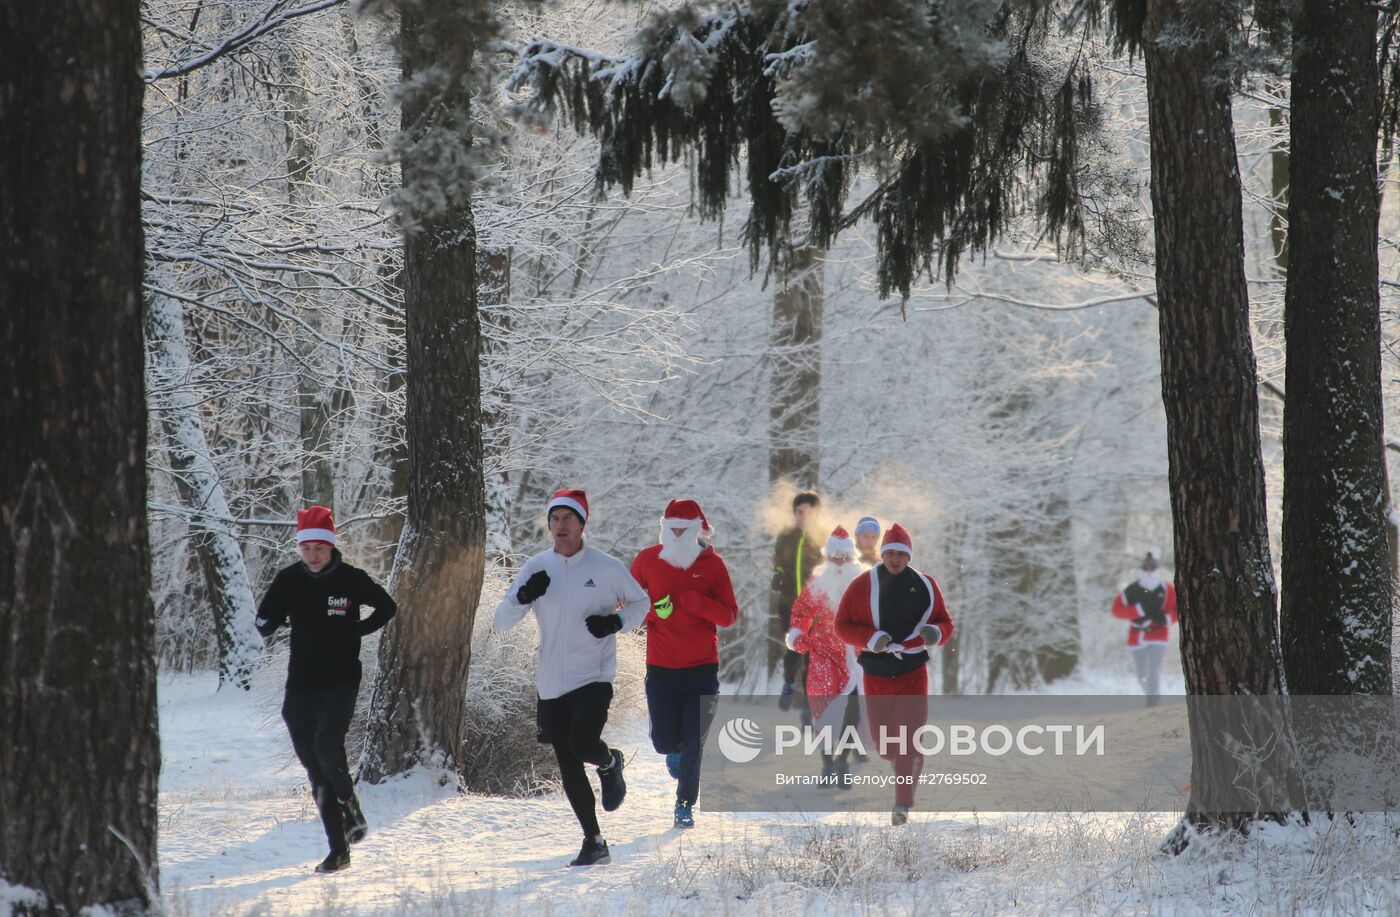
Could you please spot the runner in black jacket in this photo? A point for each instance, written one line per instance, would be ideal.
(320, 598)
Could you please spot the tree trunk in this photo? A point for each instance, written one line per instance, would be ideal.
(1337, 586)
(315, 395)
(1057, 608)
(1225, 588)
(418, 713)
(952, 664)
(215, 543)
(390, 451)
(1033, 632)
(794, 412)
(80, 752)
(1033, 620)
(957, 546)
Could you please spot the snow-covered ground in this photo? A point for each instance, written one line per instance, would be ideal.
(239, 836)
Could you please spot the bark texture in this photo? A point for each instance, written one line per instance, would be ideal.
(80, 756)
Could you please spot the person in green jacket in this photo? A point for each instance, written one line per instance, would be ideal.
(796, 553)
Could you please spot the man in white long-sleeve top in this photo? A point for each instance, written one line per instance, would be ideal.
(581, 598)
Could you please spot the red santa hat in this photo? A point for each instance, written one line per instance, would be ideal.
(315, 523)
(569, 498)
(683, 512)
(897, 539)
(840, 542)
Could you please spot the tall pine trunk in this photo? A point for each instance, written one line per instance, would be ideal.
(1033, 624)
(1225, 588)
(1033, 632)
(1057, 643)
(794, 399)
(1337, 586)
(794, 410)
(418, 712)
(315, 396)
(79, 748)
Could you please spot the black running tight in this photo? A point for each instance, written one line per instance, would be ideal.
(578, 789)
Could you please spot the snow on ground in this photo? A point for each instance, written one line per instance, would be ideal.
(239, 837)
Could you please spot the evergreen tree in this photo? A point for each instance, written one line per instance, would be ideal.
(1338, 591)
(418, 711)
(995, 129)
(1225, 589)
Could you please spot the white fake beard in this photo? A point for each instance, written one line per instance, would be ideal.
(680, 551)
(1150, 579)
(831, 579)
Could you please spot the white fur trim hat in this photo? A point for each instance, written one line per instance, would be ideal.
(684, 512)
(315, 523)
(569, 498)
(897, 539)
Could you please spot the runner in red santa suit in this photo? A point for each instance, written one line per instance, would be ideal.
(1148, 604)
(891, 615)
(691, 597)
(833, 677)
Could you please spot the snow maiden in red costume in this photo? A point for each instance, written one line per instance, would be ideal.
(833, 677)
(891, 615)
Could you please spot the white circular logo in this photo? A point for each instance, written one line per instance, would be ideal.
(740, 740)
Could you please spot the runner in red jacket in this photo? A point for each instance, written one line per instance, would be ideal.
(892, 614)
(691, 597)
(1148, 604)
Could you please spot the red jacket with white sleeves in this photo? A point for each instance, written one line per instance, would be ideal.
(913, 599)
(702, 600)
(1137, 601)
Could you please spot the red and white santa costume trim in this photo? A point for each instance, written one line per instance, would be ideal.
(1126, 607)
(899, 702)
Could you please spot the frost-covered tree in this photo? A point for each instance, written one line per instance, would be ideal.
(212, 531)
(755, 83)
(418, 712)
(77, 664)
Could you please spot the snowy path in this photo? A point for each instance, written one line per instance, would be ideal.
(238, 826)
(239, 836)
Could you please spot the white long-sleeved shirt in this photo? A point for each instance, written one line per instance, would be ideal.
(588, 583)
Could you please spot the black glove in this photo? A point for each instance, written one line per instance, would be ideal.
(1157, 618)
(533, 588)
(1141, 621)
(602, 626)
